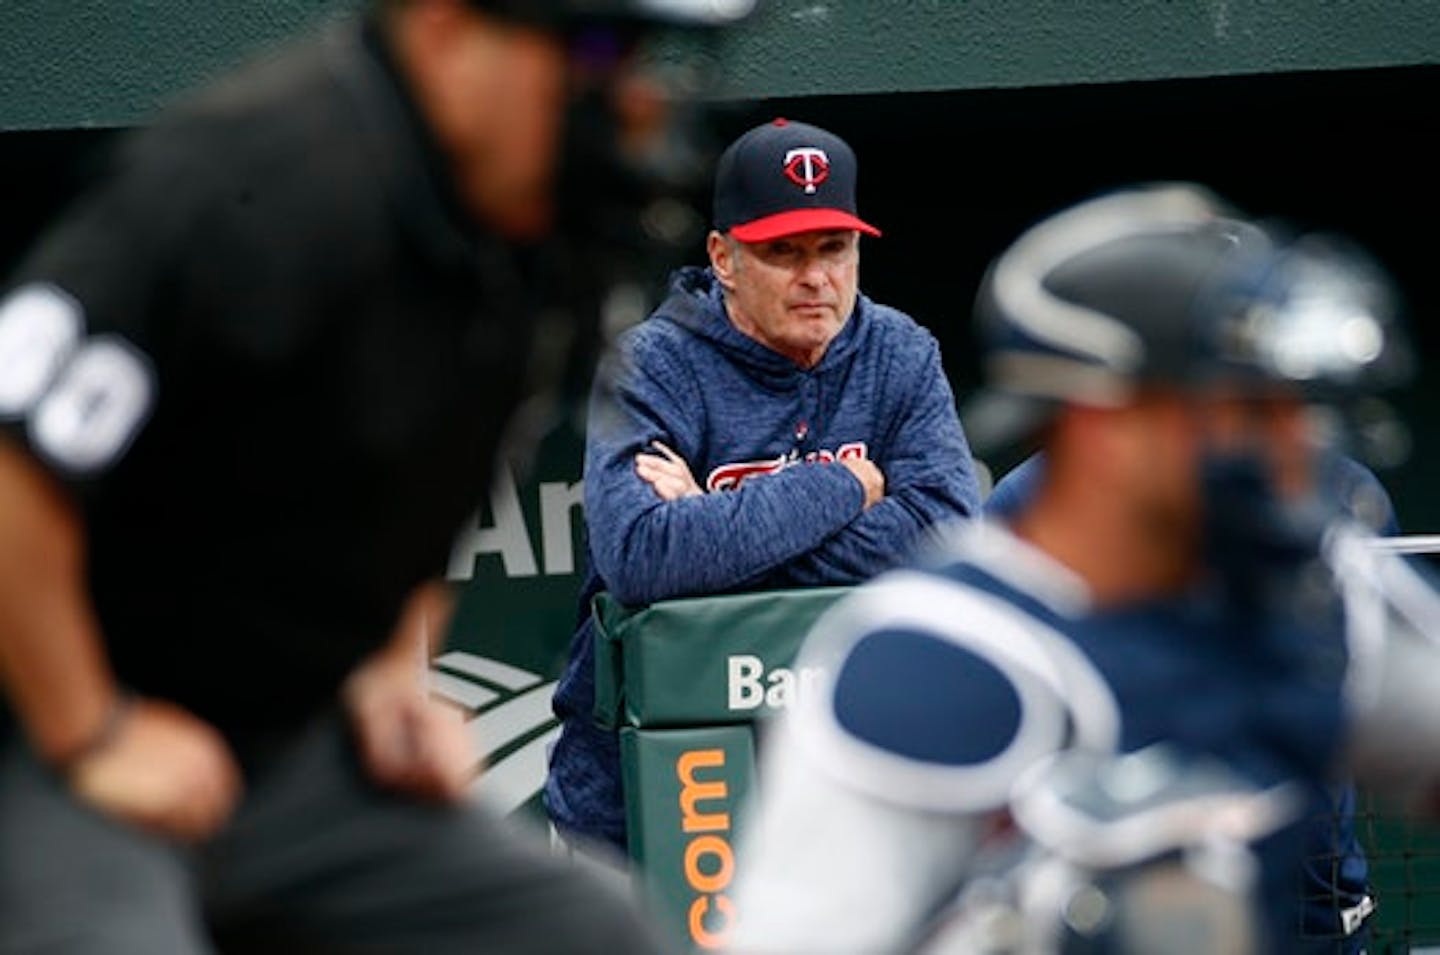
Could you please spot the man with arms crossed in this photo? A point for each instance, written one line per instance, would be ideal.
(767, 427)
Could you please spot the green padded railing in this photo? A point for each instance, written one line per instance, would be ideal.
(684, 680)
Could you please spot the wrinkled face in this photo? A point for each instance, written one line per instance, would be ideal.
(791, 294)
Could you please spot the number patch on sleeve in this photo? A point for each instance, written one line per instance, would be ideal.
(39, 328)
(84, 399)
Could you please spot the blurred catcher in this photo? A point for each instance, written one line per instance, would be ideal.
(252, 384)
(1334, 885)
(1172, 615)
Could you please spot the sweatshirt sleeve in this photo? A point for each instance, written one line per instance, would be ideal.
(648, 549)
(929, 480)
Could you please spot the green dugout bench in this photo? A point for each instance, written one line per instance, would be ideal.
(684, 681)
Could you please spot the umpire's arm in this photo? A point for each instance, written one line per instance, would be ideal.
(51, 662)
(84, 299)
(144, 762)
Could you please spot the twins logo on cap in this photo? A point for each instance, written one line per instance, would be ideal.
(785, 178)
(807, 166)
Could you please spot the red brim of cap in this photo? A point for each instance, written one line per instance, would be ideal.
(796, 221)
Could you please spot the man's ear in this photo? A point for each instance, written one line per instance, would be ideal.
(722, 259)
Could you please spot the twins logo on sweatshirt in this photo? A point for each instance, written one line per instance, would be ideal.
(728, 477)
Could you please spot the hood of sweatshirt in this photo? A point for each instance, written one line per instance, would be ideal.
(696, 303)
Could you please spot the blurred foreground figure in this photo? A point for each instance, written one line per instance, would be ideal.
(250, 387)
(1334, 885)
(1102, 726)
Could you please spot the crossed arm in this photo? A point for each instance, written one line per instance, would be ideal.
(656, 535)
(670, 476)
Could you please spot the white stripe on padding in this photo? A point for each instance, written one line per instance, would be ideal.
(456, 690)
(515, 780)
(491, 671)
(495, 728)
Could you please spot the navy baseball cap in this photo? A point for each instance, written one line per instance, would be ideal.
(783, 178)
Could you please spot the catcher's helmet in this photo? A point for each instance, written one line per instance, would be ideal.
(1166, 284)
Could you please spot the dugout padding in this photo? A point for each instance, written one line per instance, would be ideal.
(685, 681)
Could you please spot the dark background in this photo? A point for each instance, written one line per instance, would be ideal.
(953, 177)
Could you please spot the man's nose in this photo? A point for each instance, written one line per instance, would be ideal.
(812, 271)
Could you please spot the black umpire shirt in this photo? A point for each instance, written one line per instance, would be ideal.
(273, 359)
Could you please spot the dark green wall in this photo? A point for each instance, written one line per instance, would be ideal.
(75, 63)
(807, 47)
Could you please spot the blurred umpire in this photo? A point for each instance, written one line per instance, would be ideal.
(249, 386)
(1176, 602)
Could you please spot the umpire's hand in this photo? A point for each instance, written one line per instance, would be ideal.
(161, 769)
(406, 741)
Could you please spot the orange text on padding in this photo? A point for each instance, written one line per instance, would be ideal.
(709, 860)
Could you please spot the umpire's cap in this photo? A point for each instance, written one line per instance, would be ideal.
(1167, 284)
(569, 14)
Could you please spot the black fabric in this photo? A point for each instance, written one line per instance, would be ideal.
(315, 860)
(335, 351)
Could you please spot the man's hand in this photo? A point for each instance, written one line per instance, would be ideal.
(871, 478)
(407, 742)
(667, 473)
(148, 764)
(164, 770)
